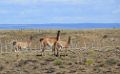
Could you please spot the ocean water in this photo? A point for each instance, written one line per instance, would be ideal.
(60, 26)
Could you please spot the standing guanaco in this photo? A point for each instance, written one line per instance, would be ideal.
(18, 45)
(62, 44)
(49, 41)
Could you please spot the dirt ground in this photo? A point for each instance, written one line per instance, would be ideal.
(91, 52)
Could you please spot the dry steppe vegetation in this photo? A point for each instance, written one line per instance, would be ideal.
(92, 52)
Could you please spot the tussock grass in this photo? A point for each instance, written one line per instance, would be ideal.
(112, 61)
(86, 61)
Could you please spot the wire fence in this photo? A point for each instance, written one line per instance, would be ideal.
(7, 47)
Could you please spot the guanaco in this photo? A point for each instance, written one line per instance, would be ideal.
(18, 45)
(49, 41)
(62, 45)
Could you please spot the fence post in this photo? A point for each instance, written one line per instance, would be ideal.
(85, 44)
(5, 46)
(0, 46)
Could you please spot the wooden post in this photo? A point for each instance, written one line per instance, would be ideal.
(0, 46)
(5, 46)
(85, 44)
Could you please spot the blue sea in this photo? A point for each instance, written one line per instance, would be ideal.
(60, 26)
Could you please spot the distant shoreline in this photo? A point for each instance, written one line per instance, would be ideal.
(59, 29)
(71, 26)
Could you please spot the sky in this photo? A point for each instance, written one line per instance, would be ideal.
(59, 11)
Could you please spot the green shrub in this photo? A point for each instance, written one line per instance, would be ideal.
(89, 62)
(111, 61)
(58, 62)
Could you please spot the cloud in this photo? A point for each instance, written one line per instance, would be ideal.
(3, 11)
(78, 2)
(65, 1)
(23, 2)
(60, 10)
(17, 1)
(117, 10)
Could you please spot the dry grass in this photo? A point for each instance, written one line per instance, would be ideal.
(100, 56)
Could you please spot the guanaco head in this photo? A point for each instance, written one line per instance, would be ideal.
(41, 39)
(14, 43)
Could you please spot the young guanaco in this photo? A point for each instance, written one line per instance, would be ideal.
(18, 45)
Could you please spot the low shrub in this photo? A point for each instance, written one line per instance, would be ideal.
(58, 62)
(111, 61)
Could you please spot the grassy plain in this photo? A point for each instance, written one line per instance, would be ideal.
(93, 52)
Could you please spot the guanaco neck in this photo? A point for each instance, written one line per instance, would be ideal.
(58, 35)
(30, 39)
(69, 40)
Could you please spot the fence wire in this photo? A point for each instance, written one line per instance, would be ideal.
(7, 47)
